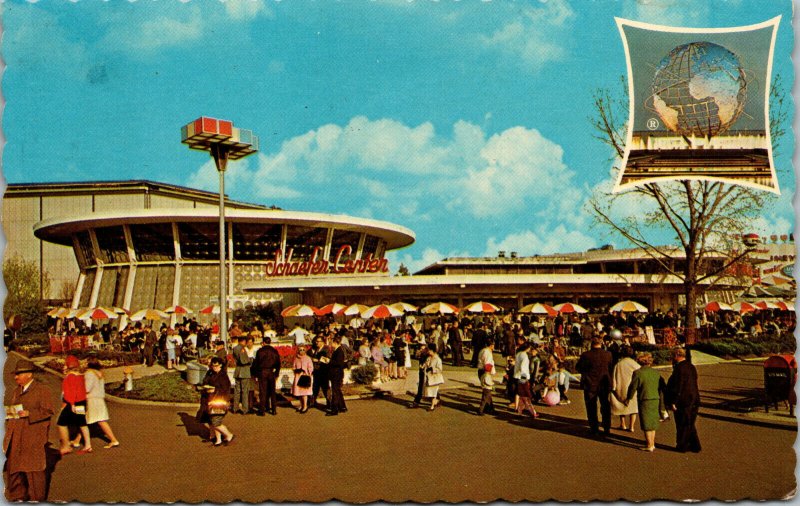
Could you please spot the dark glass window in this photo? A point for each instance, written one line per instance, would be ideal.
(85, 253)
(255, 242)
(199, 241)
(112, 286)
(113, 248)
(370, 246)
(342, 238)
(153, 287)
(303, 240)
(153, 242)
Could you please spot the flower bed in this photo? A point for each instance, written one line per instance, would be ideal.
(167, 387)
(106, 358)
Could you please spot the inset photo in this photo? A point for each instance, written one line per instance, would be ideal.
(699, 104)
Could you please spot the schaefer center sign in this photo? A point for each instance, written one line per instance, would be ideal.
(319, 266)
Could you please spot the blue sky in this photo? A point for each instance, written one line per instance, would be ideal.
(465, 121)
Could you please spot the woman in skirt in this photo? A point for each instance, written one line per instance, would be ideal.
(73, 410)
(214, 399)
(433, 375)
(96, 410)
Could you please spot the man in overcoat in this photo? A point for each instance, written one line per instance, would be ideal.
(266, 367)
(26, 437)
(336, 374)
(683, 397)
(595, 368)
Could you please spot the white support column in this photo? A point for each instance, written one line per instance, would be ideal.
(129, 289)
(76, 298)
(129, 243)
(176, 292)
(361, 242)
(283, 239)
(98, 278)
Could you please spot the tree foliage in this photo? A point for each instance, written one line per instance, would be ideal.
(706, 218)
(23, 293)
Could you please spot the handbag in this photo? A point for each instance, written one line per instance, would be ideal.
(304, 381)
(217, 406)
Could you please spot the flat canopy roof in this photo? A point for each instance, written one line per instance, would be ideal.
(59, 230)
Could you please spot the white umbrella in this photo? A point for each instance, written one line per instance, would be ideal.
(149, 314)
(481, 307)
(355, 309)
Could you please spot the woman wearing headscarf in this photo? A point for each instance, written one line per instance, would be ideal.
(623, 372)
(648, 386)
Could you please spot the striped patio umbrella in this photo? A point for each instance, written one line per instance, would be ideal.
(334, 308)
(299, 310)
(120, 310)
(381, 311)
(404, 307)
(743, 307)
(766, 304)
(149, 314)
(98, 313)
(178, 310)
(537, 308)
(715, 306)
(212, 309)
(58, 312)
(628, 306)
(355, 309)
(439, 307)
(569, 307)
(786, 305)
(481, 307)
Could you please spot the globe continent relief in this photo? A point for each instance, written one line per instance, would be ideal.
(699, 89)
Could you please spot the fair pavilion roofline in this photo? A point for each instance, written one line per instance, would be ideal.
(60, 229)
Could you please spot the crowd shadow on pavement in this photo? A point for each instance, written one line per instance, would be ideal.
(52, 458)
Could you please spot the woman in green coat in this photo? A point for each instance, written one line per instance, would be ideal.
(648, 385)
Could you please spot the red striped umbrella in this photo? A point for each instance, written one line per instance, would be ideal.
(628, 306)
(178, 310)
(481, 307)
(537, 308)
(569, 307)
(439, 307)
(334, 308)
(212, 309)
(299, 310)
(98, 313)
(766, 304)
(715, 306)
(381, 311)
(355, 309)
(786, 306)
(743, 307)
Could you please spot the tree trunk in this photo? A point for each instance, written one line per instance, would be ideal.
(691, 312)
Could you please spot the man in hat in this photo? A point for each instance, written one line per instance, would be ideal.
(26, 436)
(266, 368)
(683, 397)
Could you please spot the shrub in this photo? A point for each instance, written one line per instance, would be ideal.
(364, 374)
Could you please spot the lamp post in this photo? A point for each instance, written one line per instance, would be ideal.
(223, 142)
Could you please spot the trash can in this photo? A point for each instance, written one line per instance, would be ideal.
(780, 376)
(195, 372)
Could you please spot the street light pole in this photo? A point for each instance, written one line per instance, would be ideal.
(224, 142)
(220, 154)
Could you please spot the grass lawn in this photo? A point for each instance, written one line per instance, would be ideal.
(167, 387)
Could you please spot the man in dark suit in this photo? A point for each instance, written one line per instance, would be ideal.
(266, 367)
(479, 338)
(683, 397)
(336, 373)
(595, 368)
(455, 341)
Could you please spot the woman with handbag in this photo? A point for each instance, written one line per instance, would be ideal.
(303, 370)
(433, 375)
(214, 398)
(73, 410)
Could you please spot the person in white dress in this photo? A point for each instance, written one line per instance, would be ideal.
(623, 372)
(96, 410)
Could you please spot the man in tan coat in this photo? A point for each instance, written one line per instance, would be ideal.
(26, 436)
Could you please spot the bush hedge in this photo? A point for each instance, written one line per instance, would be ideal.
(364, 374)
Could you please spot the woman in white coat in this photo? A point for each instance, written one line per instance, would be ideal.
(433, 375)
(623, 372)
(96, 410)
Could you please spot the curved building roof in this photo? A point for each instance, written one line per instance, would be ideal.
(59, 230)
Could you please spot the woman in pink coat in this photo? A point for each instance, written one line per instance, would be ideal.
(303, 377)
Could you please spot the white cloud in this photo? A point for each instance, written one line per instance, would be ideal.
(240, 10)
(668, 12)
(542, 241)
(531, 36)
